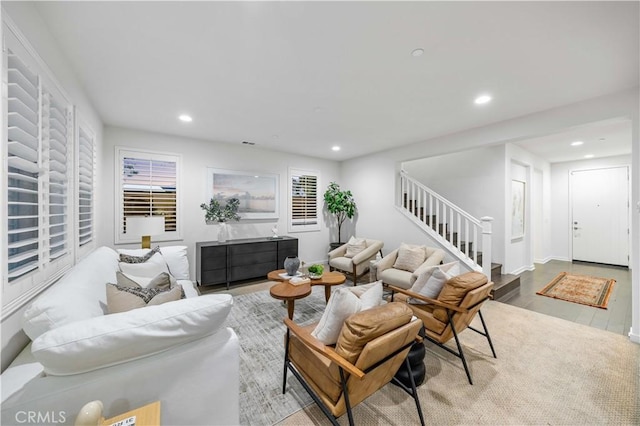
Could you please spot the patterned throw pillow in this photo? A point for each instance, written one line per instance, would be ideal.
(126, 258)
(409, 257)
(123, 299)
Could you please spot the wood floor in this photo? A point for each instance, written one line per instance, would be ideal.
(616, 318)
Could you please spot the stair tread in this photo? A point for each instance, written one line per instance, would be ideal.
(504, 279)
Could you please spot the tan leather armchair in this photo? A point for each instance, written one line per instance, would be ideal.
(372, 345)
(458, 303)
(357, 265)
(401, 278)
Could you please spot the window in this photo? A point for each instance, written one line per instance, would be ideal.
(38, 220)
(85, 183)
(304, 203)
(148, 183)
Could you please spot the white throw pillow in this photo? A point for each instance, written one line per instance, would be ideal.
(177, 261)
(150, 268)
(342, 304)
(114, 339)
(370, 295)
(410, 257)
(436, 278)
(355, 246)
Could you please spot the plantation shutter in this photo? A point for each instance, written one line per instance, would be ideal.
(23, 168)
(149, 184)
(303, 201)
(56, 133)
(86, 164)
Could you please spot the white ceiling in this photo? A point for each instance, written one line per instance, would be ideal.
(304, 76)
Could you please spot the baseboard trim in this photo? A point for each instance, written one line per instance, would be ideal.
(545, 260)
(522, 269)
(634, 337)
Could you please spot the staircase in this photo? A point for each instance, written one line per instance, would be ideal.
(459, 233)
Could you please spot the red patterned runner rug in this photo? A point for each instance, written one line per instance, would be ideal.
(583, 289)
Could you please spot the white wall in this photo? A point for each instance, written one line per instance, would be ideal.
(479, 190)
(521, 165)
(197, 155)
(30, 24)
(561, 217)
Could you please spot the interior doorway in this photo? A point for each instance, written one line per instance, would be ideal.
(600, 215)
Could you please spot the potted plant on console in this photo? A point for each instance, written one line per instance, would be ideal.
(340, 204)
(216, 212)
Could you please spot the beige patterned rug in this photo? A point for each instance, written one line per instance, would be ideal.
(583, 289)
(549, 371)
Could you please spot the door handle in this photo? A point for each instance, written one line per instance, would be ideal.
(575, 227)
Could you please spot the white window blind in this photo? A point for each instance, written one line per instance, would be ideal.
(149, 184)
(303, 201)
(86, 166)
(23, 214)
(56, 136)
(37, 183)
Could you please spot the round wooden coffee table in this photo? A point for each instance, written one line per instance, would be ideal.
(328, 280)
(289, 293)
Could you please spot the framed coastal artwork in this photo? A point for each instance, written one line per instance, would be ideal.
(517, 209)
(258, 192)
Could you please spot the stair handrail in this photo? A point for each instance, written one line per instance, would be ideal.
(483, 225)
(441, 198)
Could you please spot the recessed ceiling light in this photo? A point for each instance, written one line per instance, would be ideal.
(482, 99)
(588, 156)
(335, 148)
(576, 143)
(186, 118)
(417, 52)
(602, 139)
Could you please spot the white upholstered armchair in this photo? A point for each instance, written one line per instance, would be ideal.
(402, 266)
(353, 257)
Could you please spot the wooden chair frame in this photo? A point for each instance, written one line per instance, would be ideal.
(452, 310)
(344, 367)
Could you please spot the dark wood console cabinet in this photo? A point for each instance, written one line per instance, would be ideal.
(236, 260)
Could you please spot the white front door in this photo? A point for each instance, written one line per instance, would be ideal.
(600, 215)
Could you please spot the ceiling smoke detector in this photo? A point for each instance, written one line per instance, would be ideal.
(248, 143)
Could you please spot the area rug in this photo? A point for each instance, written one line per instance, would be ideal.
(582, 289)
(257, 319)
(548, 371)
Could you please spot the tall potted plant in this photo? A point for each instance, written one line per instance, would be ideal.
(340, 204)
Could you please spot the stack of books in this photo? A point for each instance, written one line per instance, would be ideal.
(299, 280)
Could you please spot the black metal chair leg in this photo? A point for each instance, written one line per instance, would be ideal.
(461, 354)
(486, 333)
(286, 362)
(414, 390)
(345, 392)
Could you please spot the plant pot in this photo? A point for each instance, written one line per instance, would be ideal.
(222, 232)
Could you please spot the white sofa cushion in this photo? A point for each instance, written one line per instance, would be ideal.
(355, 246)
(115, 339)
(79, 295)
(174, 256)
(151, 268)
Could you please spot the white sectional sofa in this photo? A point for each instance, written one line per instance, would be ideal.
(178, 352)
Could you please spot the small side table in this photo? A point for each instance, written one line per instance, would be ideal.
(148, 415)
(289, 293)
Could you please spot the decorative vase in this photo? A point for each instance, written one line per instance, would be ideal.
(291, 264)
(222, 232)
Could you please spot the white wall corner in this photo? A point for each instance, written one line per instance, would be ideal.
(634, 337)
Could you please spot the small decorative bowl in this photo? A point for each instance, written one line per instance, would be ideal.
(314, 276)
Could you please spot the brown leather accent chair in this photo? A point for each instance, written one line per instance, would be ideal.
(445, 317)
(372, 345)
